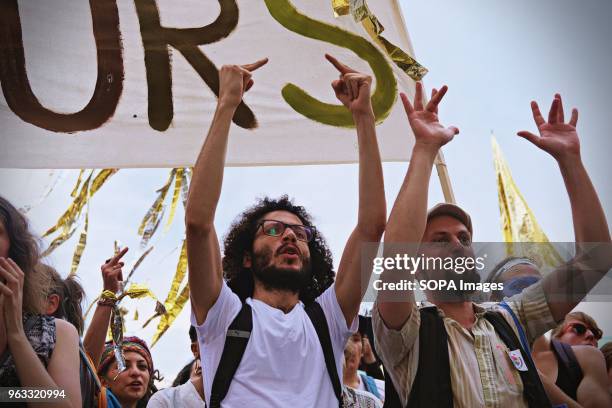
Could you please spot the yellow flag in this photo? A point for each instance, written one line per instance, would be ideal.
(517, 220)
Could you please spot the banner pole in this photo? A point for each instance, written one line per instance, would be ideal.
(445, 183)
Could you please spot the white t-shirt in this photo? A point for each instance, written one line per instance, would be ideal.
(182, 396)
(283, 364)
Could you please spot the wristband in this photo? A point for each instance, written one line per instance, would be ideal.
(107, 298)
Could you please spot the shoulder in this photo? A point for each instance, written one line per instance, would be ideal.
(66, 344)
(588, 356)
(66, 332)
(161, 398)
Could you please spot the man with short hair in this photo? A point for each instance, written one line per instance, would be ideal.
(453, 352)
(572, 369)
(189, 394)
(278, 270)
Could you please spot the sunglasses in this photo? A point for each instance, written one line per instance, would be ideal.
(581, 329)
(275, 228)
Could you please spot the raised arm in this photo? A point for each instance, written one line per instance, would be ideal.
(95, 336)
(204, 256)
(353, 90)
(560, 140)
(409, 214)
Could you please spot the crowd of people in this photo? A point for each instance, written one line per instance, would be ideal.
(274, 325)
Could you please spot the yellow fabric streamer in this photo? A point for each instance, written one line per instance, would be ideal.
(59, 240)
(78, 251)
(362, 14)
(68, 218)
(174, 301)
(152, 218)
(78, 183)
(518, 221)
(175, 195)
(169, 317)
(122, 312)
(65, 224)
(159, 311)
(179, 276)
(341, 7)
(100, 179)
(185, 185)
(137, 291)
(138, 262)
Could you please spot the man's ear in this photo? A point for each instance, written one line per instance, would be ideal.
(53, 302)
(246, 260)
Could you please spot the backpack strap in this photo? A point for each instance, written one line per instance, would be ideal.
(236, 340)
(519, 327)
(370, 385)
(392, 399)
(432, 384)
(533, 390)
(89, 365)
(569, 372)
(90, 382)
(317, 317)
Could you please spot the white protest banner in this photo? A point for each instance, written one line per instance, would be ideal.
(110, 83)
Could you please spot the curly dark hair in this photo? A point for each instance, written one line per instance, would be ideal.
(25, 251)
(239, 240)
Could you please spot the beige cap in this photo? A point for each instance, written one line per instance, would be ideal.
(452, 210)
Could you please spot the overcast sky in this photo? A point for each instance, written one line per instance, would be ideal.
(495, 56)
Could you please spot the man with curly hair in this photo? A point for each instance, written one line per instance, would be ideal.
(276, 262)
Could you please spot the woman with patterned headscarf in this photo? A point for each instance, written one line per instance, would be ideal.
(133, 386)
(127, 383)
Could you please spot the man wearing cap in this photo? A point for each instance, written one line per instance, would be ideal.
(453, 352)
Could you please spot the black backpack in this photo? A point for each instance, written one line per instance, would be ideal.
(237, 338)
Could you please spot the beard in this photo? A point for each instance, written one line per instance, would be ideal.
(449, 294)
(275, 278)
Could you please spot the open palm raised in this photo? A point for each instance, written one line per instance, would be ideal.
(424, 120)
(558, 138)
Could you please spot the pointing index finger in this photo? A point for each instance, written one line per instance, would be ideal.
(115, 259)
(339, 66)
(252, 67)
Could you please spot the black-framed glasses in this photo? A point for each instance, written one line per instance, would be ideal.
(581, 329)
(276, 228)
